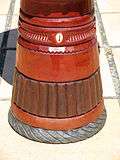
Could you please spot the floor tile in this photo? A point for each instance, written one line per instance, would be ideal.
(9, 65)
(109, 5)
(111, 23)
(5, 90)
(2, 23)
(1, 38)
(2, 28)
(14, 24)
(108, 88)
(17, 7)
(4, 7)
(10, 30)
(12, 39)
(102, 146)
(98, 34)
(11, 24)
(116, 53)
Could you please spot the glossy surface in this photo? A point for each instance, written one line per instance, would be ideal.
(58, 67)
(47, 36)
(58, 124)
(59, 8)
(63, 21)
(57, 43)
(103, 146)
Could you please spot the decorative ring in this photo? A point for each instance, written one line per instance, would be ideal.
(57, 124)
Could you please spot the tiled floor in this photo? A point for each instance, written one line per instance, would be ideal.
(103, 146)
(111, 23)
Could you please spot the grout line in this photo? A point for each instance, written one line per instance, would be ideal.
(115, 46)
(5, 99)
(109, 55)
(7, 49)
(110, 12)
(9, 14)
(110, 97)
(6, 35)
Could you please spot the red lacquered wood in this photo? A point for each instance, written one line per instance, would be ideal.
(63, 22)
(57, 67)
(48, 36)
(56, 8)
(57, 83)
(58, 124)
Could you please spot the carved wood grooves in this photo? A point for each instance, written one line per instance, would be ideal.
(57, 100)
(40, 24)
(62, 22)
(47, 36)
(60, 50)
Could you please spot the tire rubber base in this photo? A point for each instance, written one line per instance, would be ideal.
(57, 137)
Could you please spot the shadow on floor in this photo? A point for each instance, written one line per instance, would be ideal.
(8, 54)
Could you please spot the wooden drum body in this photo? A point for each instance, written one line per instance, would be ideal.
(57, 91)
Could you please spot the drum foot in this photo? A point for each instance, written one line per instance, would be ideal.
(57, 137)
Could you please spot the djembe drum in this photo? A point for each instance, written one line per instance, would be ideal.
(57, 91)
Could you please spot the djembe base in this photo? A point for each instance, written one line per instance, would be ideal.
(57, 88)
(57, 137)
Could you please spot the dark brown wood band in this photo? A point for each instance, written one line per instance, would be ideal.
(58, 124)
(60, 100)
